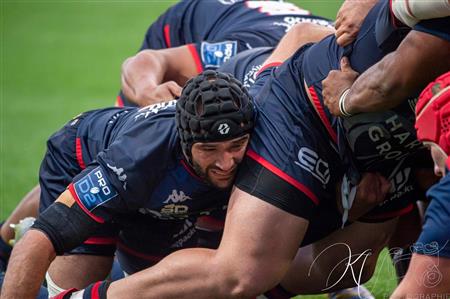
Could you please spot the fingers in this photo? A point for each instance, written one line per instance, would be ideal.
(345, 38)
(345, 65)
(174, 88)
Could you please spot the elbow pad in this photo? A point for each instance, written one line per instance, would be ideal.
(411, 12)
(66, 227)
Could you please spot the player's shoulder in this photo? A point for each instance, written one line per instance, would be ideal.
(153, 127)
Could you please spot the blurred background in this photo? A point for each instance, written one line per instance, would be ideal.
(60, 58)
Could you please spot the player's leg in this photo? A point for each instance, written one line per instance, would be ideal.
(76, 271)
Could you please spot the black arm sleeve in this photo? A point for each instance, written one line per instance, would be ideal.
(65, 227)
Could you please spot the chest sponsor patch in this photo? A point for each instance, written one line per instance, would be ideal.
(215, 54)
(94, 189)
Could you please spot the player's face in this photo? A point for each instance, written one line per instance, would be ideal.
(439, 158)
(217, 162)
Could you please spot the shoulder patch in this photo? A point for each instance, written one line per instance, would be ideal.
(94, 189)
(215, 54)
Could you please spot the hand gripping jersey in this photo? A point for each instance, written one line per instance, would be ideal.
(216, 30)
(298, 146)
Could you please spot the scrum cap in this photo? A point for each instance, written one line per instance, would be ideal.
(213, 107)
(433, 113)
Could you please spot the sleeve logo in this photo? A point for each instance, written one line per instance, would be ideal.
(215, 54)
(94, 189)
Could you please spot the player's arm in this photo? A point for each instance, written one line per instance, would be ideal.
(298, 36)
(33, 254)
(419, 58)
(152, 76)
(427, 276)
(242, 266)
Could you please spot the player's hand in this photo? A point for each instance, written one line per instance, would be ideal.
(151, 94)
(335, 84)
(371, 191)
(162, 93)
(349, 19)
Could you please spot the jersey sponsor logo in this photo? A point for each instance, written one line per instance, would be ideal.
(154, 109)
(311, 162)
(289, 22)
(394, 139)
(120, 175)
(250, 76)
(94, 189)
(273, 8)
(229, 2)
(185, 234)
(215, 54)
(177, 197)
(223, 129)
(400, 182)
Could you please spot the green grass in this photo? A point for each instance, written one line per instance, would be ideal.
(59, 58)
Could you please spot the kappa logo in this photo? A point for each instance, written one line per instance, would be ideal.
(120, 175)
(311, 162)
(223, 129)
(177, 197)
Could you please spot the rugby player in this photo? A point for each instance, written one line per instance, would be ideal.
(251, 62)
(203, 34)
(429, 270)
(300, 148)
(139, 170)
(422, 56)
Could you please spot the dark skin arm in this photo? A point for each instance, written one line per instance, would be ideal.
(419, 59)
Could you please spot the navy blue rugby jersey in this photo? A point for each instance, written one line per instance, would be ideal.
(435, 237)
(135, 164)
(218, 29)
(314, 147)
(246, 65)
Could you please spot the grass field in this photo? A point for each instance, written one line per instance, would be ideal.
(59, 58)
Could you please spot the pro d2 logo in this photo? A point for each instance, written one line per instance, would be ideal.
(223, 129)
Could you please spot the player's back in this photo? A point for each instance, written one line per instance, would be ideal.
(250, 23)
(100, 128)
(246, 65)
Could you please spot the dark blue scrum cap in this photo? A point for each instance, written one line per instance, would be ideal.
(213, 107)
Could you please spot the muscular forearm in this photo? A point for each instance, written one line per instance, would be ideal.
(143, 71)
(419, 59)
(180, 275)
(29, 261)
